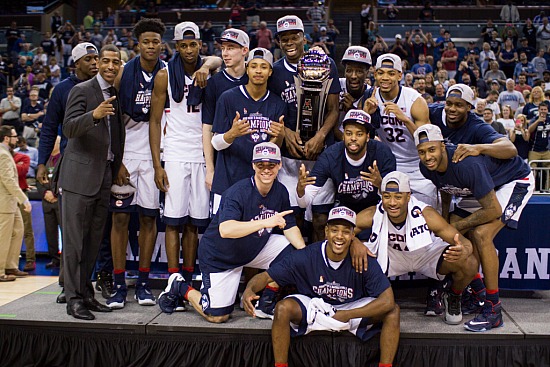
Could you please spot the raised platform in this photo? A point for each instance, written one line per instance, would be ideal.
(35, 331)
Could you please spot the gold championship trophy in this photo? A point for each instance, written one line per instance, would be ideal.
(312, 85)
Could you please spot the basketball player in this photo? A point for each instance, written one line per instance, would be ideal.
(182, 179)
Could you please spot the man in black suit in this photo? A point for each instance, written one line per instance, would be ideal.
(93, 126)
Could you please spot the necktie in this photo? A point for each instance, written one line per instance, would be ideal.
(114, 123)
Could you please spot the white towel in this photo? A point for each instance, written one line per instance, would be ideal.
(415, 228)
(319, 317)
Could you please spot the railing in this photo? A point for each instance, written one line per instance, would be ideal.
(541, 172)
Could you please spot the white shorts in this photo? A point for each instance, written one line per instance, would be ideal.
(288, 176)
(512, 198)
(362, 328)
(187, 199)
(142, 176)
(425, 260)
(219, 290)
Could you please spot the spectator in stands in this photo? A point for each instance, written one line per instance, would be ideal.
(235, 13)
(151, 10)
(32, 115)
(511, 97)
(366, 18)
(495, 74)
(479, 107)
(252, 9)
(530, 33)
(430, 87)
(443, 41)
(326, 42)
(538, 130)
(465, 74)
(48, 45)
(421, 68)
(56, 22)
(495, 43)
(67, 32)
(27, 53)
(543, 34)
(380, 47)
(546, 81)
(252, 35)
(88, 20)
(40, 57)
(530, 52)
(449, 59)
(31, 152)
(427, 14)
(398, 47)
(491, 102)
(439, 96)
(525, 67)
(489, 118)
(481, 84)
(531, 109)
(12, 35)
(208, 34)
(126, 17)
(537, 20)
(10, 108)
(442, 78)
(332, 31)
(519, 135)
(522, 85)
(391, 13)
(485, 57)
(42, 84)
(418, 44)
(507, 118)
(316, 13)
(510, 32)
(264, 36)
(487, 31)
(509, 13)
(110, 18)
(97, 37)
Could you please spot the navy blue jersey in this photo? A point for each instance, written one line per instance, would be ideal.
(541, 137)
(136, 86)
(53, 120)
(242, 202)
(476, 176)
(310, 271)
(218, 84)
(351, 190)
(30, 109)
(474, 131)
(282, 84)
(234, 163)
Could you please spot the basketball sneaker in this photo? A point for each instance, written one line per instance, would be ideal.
(144, 296)
(169, 297)
(453, 314)
(265, 307)
(434, 304)
(489, 318)
(118, 298)
(472, 302)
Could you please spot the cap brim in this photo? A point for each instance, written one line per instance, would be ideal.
(269, 160)
(341, 219)
(221, 39)
(359, 122)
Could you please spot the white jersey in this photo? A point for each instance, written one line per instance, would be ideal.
(137, 133)
(394, 132)
(183, 131)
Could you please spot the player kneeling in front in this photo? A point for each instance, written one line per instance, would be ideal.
(409, 235)
(331, 294)
(252, 228)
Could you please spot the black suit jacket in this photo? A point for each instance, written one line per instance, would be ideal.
(85, 157)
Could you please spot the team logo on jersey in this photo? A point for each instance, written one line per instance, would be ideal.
(143, 99)
(457, 191)
(334, 291)
(205, 302)
(264, 214)
(356, 187)
(510, 211)
(261, 124)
